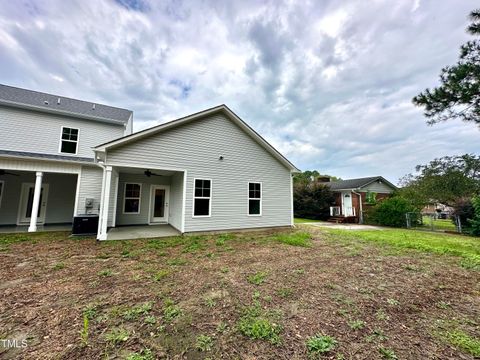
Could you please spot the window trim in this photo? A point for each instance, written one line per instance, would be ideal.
(2, 190)
(202, 197)
(129, 197)
(61, 140)
(249, 198)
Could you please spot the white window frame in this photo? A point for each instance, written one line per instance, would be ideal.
(202, 197)
(2, 190)
(129, 197)
(61, 140)
(249, 198)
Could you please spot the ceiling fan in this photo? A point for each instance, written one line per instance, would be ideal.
(148, 173)
(3, 172)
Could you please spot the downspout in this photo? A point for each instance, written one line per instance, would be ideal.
(360, 216)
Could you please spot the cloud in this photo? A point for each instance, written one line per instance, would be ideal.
(328, 83)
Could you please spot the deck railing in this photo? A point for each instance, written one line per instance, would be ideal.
(335, 211)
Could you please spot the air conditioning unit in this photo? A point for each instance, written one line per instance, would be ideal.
(85, 224)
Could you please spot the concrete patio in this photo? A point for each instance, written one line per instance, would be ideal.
(141, 232)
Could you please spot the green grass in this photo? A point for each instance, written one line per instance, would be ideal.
(204, 343)
(258, 325)
(320, 344)
(462, 340)
(258, 278)
(466, 247)
(302, 221)
(295, 239)
(439, 224)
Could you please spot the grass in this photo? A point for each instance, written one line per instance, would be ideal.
(258, 278)
(171, 311)
(258, 325)
(465, 247)
(117, 335)
(145, 354)
(295, 239)
(320, 344)
(439, 224)
(303, 221)
(204, 343)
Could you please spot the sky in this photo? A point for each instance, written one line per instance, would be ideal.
(328, 83)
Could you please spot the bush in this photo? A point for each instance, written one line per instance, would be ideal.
(312, 200)
(465, 211)
(474, 222)
(391, 212)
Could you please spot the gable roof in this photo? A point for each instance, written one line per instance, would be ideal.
(39, 101)
(358, 183)
(223, 109)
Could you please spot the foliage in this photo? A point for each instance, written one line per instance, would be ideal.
(295, 239)
(204, 343)
(258, 325)
(84, 332)
(390, 212)
(117, 335)
(387, 353)
(458, 96)
(320, 344)
(310, 176)
(474, 222)
(463, 341)
(258, 278)
(443, 180)
(171, 311)
(145, 354)
(312, 200)
(371, 198)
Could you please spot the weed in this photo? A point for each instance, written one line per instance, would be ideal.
(150, 320)
(177, 262)
(117, 335)
(145, 354)
(443, 305)
(105, 273)
(90, 311)
(381, 315)
(134, 312)
(393, 302)
(195, 245)
(104, 256)
(295, 239)
(84, 331)
(222, 327)
(224, 270)
(284, 292)
(463, 341)
(59, 266)
(171, 311)
(210, 302)
(220, 241)
(356, 324)
(377, 334)
(204, 343)
(256, 325)
(258, 278)
(387, 353)
(160, 274)
(320, 344)
(299, 271)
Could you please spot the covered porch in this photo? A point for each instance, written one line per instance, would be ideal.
(141, 203)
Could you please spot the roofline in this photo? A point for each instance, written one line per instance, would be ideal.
(180, 121)
(368, 183)
(80, 161)
(62, 112)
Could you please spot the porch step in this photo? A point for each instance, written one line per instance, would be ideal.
(342, 219)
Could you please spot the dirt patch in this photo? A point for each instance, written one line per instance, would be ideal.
(158, 296)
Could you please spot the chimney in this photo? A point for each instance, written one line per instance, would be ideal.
(323, 179)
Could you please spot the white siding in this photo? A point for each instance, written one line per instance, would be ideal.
(90, 187)
(196, 147)
(19, 127)
(378, 187)
(176, 201)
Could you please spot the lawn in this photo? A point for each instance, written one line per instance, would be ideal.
(303, 221)
(439, 224)
(306, 293)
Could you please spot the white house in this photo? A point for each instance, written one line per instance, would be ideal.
(209, 171)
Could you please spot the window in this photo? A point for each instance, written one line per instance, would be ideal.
(371, 198)
(131, 201)
(254, 198)
(2, 185)
(202, 197)
(69, 140)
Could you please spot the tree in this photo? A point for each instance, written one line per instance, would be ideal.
(310, 176)
(444, 180)
(458, 96)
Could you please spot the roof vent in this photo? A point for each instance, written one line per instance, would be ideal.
(45, 102)
(93, 106)
(58, 101)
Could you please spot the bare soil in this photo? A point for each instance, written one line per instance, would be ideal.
(403, 300)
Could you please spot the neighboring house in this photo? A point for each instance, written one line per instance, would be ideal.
(204, 172)
(354, 196)
(437, 209)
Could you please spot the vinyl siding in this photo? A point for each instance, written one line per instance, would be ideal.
(60, 201)
(90, 187)
(196, 147)
(378, 187)
(176, 201)
(18, 127)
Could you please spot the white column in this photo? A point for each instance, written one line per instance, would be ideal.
(103, 221)
(36, 202)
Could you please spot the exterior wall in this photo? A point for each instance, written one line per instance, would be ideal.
(378, 187)
(176, 201)
(90, 186)
(60, 200)
(196, 147)
(19, 127)
(143, 217)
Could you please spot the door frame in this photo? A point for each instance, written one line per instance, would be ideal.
(22, 204)
(344, 207)
(151, 219)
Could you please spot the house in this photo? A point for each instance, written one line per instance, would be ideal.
(210, 171)
(354, 196)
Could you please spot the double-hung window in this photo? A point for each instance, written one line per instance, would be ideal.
(254, 198)
(69, 140)
(131, 202)
(202, 197)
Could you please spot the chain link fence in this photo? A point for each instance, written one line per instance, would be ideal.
(432, 222)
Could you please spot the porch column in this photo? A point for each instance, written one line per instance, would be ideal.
(36, 202)
(103, 223)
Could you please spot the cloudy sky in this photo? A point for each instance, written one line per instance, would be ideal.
(329, 83)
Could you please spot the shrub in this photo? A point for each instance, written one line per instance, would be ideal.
(391, 212)
(312, 200)
(474, 222)
(464, 210)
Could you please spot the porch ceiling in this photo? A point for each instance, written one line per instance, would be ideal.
(132, 170)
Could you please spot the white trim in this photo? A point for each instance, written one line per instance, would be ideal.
(103, 223)
(292, 221)
(184, 201)
(2, 190)
(202, 197)
(125, 198)
(77, 193)
(77, 142)
(124, 165)
(40, 219)
(115, 200)
(249, 198)
(166, 205)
